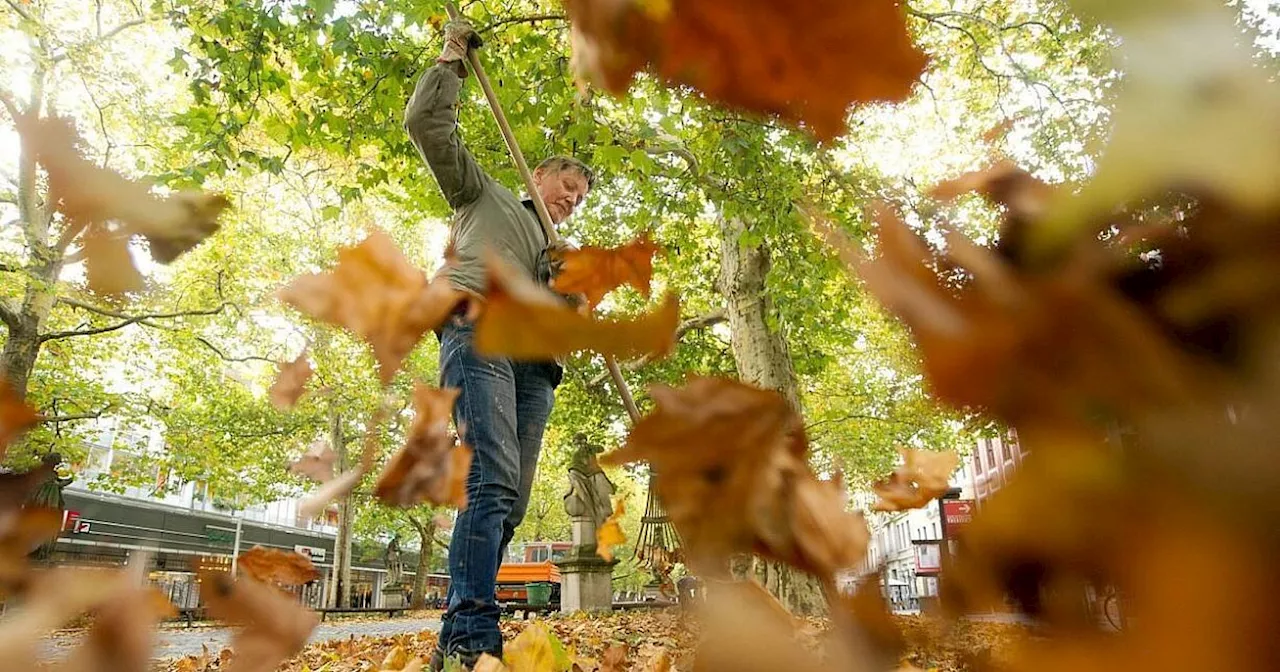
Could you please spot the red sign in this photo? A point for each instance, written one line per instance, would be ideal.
(69, 520)
(958, 513)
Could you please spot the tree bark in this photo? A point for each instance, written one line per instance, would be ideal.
(762, 359)
(342, 544)
(426, 549)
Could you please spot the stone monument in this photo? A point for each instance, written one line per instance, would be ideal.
(586, 579)
(393, 589)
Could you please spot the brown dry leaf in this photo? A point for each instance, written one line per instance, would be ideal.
(1005, 184)
(431, 466)
(52, 598)
(806, 62)
(275, 626)
(109, 268)
(526, 322)
(313, 504)
(614, 658)
(21, 532)
(290, 383)
(610, 534)
(86, 192)
(746, 629)
(16, 416)
(376, 294)
(316, 463)
(734, 478)
(273, 565)
(923, 477)
(122, 636)
(595, 271)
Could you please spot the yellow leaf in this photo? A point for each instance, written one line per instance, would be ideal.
(610, 533)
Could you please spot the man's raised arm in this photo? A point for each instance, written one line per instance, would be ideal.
(431, 118)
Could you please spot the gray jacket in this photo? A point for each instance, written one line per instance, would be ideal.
(486, 214)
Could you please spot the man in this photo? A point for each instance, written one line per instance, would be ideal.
(504, 404)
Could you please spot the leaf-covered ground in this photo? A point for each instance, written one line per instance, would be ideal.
(594, 642)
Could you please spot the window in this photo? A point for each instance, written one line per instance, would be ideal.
(1004, 451)
(539, 554)
(991, 454)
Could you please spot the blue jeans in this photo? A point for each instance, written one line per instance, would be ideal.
(501, 412)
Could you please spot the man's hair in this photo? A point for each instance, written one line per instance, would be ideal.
(556, 164)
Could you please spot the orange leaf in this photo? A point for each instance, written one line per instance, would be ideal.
(109, 267)
(596, 271)
(524, 321)
(316, 463)
(804, 61)
(376, 294)
(290, 383)
(733, 478)
(273, 565)
(431, 466)
(16, 416)
(85, 192)
(610, 534)
(276, 626)
(923, 477)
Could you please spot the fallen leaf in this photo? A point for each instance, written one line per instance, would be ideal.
(52, 598)
(122, 636)
(16, 416)
(396, 659)
(275, 626)
(487, 663)
(290, 383)
(923, 477)
(274, 565)
(313, 504)
(376, 294)
(109, 268)
(23, 530)
(610, 533)
(523, 321)
(88, 193)
(806, 62)
(316, 463)
(595, 271)
(532, 651)
(432, 466)
(735, 480)
(614, 658)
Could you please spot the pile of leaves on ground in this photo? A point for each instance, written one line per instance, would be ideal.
(1126, 328)
(635, 640)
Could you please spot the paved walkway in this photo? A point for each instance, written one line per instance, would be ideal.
(176, 642)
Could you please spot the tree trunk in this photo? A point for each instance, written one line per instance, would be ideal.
(426, 548)
(20, 353)
(342, 544)
(762, 359)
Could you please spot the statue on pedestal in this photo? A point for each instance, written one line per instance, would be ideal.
(391, 557)
(590, 491)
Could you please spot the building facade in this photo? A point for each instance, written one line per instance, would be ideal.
(184, 527)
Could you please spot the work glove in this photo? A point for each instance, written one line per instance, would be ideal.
(459, 37)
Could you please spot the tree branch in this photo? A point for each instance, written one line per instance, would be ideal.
(78, 416)
(523, 19)
(126, 320)
(21, 12)
(692, 324)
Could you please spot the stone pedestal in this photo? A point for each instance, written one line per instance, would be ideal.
(586, 579)
(393, 596)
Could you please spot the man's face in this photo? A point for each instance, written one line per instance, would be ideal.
(562, 191)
